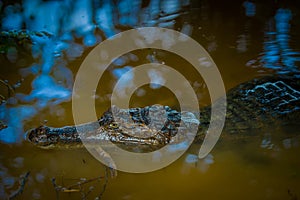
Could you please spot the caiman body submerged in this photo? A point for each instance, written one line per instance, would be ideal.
(264, 101)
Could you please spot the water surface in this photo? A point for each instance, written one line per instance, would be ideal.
(246, 39)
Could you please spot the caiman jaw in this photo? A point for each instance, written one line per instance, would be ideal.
(138, 132)
(47, 137)
(39, 137)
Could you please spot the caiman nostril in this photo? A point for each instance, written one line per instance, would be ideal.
(29, 134)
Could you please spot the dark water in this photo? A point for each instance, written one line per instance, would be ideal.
(246, 39)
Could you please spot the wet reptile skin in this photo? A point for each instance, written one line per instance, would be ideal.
(261, 102)
(264, 101)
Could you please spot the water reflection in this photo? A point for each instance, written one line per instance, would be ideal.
(203, 165)
(250, 8)
(277, 53)
(70, 28)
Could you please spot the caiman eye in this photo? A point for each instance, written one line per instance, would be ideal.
(113, 125)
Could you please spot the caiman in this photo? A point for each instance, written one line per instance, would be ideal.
(253, 105)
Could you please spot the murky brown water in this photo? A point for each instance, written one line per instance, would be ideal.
(244, 43)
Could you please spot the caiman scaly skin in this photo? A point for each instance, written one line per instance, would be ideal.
(261, 102)
(264, 101)
(134, 130)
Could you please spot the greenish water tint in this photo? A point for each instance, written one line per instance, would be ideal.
(246, 39)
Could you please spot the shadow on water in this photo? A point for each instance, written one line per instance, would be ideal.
(246, 39)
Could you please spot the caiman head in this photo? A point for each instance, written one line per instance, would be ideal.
(135, 129)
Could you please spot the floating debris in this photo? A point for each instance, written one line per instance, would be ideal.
(292, 195)
(2, 125)
(79, 186)
(10, 89)
(23, 180)
(20, 39)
